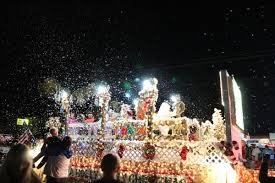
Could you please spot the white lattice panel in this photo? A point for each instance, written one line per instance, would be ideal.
(199, 152)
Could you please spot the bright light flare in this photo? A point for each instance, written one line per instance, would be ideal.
(147, 84)
(221, 86)
(137, 80)
(64, 94)
(101, 89)
(135, 102)
(127, 95)
(173, 98)
(238, 105)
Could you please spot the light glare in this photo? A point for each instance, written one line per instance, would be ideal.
(238, 105)
(146, 84)
(127, 95)
(135, 102)
(101, 89)
(64, 94)
(173, 98)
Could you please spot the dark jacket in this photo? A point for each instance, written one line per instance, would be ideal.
(263, 174)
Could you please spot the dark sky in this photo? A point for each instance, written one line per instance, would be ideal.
(183, 46)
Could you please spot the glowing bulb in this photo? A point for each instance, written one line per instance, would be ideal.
(135, 102)
(101, 89)
(137, 80)
(146, 83)
(64, 94)
(127, 95)
(173, 98)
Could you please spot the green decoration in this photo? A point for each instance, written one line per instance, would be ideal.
(174, 80)
(127, 85)
(131, 130)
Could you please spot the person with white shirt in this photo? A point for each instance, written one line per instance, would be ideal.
(58, 161)
(255, 155)
(255, 152)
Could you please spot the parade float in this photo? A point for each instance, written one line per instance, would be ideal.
(153, 145)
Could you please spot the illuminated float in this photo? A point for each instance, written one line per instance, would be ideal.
(153, 145)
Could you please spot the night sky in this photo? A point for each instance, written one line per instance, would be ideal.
(123, 43)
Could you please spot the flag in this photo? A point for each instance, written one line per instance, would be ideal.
(25, 137)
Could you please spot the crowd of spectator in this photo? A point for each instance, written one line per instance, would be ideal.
(56, 153)
(254, 156)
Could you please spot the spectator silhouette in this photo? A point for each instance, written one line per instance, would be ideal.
(49, 143)
(58, 161)
(109, 166)
(263, 175)
(17, 167)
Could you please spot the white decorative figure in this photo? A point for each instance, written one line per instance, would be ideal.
(164, 111)
(164, 130)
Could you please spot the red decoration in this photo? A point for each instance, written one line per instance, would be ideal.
(149, 151)
(89, 120)
(183, 153)
(130, 113)
(123, 131)
(71, 120)
(121, 150)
